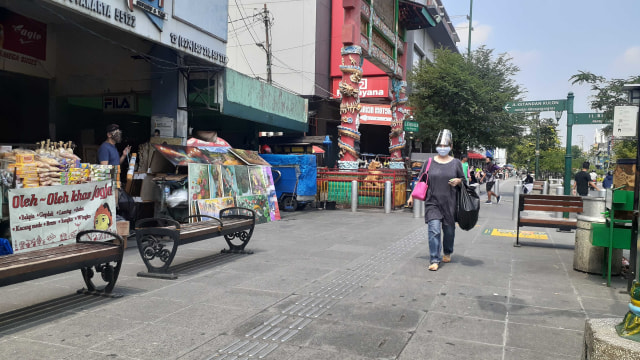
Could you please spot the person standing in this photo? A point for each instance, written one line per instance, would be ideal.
(107, 152)
(465, 166)
(489, 177)
(583, 181)
(445, 174)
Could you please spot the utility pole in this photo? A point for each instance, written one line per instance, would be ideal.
(267, 24)
(470, 28)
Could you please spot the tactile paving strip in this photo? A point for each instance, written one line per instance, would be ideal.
(265, 338)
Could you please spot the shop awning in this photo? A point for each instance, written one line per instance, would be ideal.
(415, 16)
(474, 155)
(254, 100)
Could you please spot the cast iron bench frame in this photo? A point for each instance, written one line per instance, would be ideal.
(82, 255)
(236, 224)
(556, 203)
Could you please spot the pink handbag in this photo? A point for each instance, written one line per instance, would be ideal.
(420, 188)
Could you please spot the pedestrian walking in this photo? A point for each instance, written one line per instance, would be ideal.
(464, 159)
(445, 174)
(583, 181)
(489, 177)
(607, 182)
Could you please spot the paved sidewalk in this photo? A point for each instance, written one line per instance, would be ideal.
(327, 285)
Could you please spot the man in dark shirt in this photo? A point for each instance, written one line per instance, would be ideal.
(107, 153)
(583, 181)
(489, 177)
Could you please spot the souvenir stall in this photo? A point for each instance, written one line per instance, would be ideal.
(49, 196)
(189, 180)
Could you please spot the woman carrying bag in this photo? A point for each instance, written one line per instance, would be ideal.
(444, 175)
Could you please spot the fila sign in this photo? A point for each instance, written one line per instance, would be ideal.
(119, 103)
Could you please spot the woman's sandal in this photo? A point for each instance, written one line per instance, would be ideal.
(433, 267)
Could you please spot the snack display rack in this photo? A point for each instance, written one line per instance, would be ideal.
(46, 164)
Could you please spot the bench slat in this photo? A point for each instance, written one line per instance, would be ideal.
(6, 261)
(228, 225)
(554, 208)
(551, 197)
(547, 222)
(554, 202)
(39, 262)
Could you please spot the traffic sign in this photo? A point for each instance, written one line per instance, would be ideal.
(589, 119)
(411, 126)
(535, 106)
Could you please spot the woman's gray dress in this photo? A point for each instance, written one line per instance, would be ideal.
(441, 197)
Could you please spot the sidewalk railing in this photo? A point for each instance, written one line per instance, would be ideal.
(335, 186)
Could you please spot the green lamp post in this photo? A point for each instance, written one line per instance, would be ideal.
(567, 156)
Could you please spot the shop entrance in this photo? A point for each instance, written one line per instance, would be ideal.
(24, 108)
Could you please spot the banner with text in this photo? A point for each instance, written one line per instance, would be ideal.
(50, 216)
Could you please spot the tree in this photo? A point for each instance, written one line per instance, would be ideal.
(608, 95)
(466, 96)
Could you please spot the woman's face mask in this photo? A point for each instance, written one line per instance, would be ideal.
(443, 151)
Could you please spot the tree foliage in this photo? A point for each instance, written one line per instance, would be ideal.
(467, 96)
(607, 95)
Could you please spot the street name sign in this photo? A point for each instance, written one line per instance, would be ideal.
(411, 126)
(589, 119)
(535, 106)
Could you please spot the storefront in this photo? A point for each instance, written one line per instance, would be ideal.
(69, 68)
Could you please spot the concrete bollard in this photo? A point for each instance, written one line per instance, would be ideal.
(354, 196)
(545, 188)
(559, 190)
(387, 197)
(417, 204)
(516, 200)
(496, 187)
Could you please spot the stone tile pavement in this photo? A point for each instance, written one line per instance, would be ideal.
(327, 285)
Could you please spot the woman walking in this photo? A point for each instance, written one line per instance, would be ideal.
(445, 174)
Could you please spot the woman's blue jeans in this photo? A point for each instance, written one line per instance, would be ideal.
(436, 242)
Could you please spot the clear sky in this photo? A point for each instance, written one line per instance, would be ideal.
(550, 40)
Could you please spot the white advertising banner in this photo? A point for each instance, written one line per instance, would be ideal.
(624, 121)
(50, 216)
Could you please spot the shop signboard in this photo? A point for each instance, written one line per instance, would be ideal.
(373, 114)
(49, 216)
(22, 35)
(120, 103)
(154, 20)
(370, 87)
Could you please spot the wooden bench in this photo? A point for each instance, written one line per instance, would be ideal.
(555, 203)
(83, 255)
(538, 186)
(156, 234)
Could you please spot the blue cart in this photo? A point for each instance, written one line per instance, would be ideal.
(294, 179)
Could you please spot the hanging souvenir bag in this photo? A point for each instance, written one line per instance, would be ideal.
(420, 188)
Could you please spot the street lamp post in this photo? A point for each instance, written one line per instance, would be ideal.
(567, 156)
(536, 117)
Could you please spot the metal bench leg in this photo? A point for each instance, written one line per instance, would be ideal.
(109, 274)
(243, 237)
(152, 247)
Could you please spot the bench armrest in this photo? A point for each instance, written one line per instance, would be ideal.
(157, 222)
(184, 220)
(239, 210)
(115, 236)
